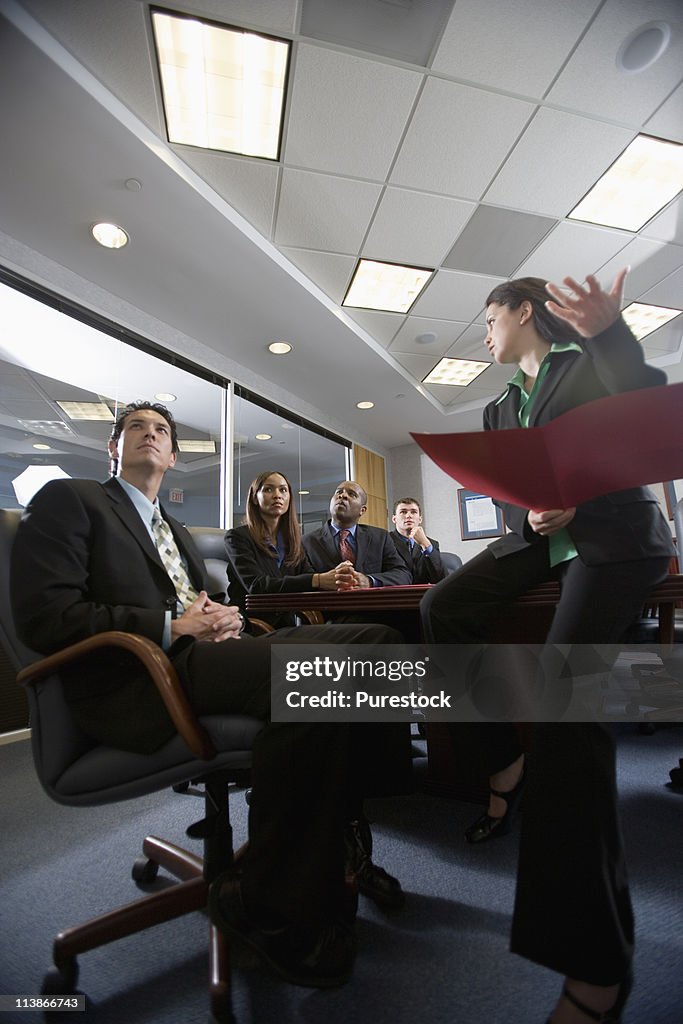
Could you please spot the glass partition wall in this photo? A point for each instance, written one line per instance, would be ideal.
(63, 380)
(264, 440)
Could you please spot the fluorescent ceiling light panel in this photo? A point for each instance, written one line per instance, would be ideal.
(647, 176)
(197, 445)
(458, 372)
(87, 411)
(643, 319)
(386, 286)
(47, 427)
(223, 88)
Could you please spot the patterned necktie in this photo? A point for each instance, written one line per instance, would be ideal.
(173, 563)
(345, 550)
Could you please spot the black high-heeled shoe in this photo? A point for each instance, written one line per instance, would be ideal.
(487, 827)
(611, 1016)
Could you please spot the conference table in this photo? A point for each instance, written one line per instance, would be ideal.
(526, 620)
(518, 623)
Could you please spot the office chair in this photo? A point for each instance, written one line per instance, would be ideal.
(450, 561)
(77, 771)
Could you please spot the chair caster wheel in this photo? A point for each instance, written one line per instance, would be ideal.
(181, 787)
(61, 981)
(144, 870)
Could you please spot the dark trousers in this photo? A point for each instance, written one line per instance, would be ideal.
(294, 866)
(572, 908)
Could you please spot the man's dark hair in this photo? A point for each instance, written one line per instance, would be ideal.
(156, 407)
(408, 501)
(532, 289)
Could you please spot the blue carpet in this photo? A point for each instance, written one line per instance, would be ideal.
(443, 958)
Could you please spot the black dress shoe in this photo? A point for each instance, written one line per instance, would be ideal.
(315, 958)
(373, 881)
(487, 827)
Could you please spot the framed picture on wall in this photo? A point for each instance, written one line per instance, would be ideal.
(479, 517)
(673, 492)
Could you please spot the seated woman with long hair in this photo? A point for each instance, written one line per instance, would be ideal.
(266, 554)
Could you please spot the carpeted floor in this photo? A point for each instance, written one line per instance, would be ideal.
(443, 958)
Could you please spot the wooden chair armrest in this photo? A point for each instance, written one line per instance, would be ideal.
(159, 669)
(313, 617)
(259, 627)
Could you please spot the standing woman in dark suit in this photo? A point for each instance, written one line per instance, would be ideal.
(266, 555)
(572, 910)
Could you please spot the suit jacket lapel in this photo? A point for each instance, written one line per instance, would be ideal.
(129, 516)
(330, 543)
(362, 546)
(554, 377)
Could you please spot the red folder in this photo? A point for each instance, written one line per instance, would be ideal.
(621, 441)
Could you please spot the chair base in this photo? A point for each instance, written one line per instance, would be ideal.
(190, 894)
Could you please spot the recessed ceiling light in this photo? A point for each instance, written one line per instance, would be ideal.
(87, 411)
(428, 338)
(643, 319)
(223, 88)
(165, 396)
(365, 405)
(279, 348)
(42, 447)
(304, 492)
(386, 286)
(647, 175)
(263, 437)
(456, 372)
(111, 236)
(287, 426)
(195, 444)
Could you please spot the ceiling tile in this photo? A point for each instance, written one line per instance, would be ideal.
(649, 261)
(249, 186)
(625, 97)
(557, 160)
(470, 344)
(453, 296)
(329, 271)
(668, 225)
(497, 44)
(415, 228)
(418, 365)
(667, 122)
(451, 123)
(666, 339)
(668, 292)
(402, 31)
(347, 114)
(495, 241)
(269, 15)
(573, 250)
(446, 333)
(319, 211)
(382, 326)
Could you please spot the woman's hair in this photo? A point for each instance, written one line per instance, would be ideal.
(532, 289)
(288, 525)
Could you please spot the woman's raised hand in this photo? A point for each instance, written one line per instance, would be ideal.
(589, 309)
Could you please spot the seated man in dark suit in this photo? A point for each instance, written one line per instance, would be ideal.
(420, 552)
(93, 557)
(364, 556)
